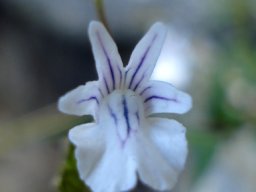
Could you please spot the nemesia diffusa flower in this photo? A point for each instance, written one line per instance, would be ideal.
(126, 141)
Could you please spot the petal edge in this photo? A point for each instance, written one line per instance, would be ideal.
(145, 55)
(83, 100)
(162, 97)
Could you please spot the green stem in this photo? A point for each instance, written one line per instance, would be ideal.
(101, 13)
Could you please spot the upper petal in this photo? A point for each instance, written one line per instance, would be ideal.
(144, 56)
(108, 62)
(83, 100)
(162, 97)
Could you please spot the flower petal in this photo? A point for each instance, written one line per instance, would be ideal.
(86, 135)
(83, 100)
(153, 169)
(170, 138)
(108, 62)
(161, 153)
(89, 147)
(115, 172)
(144, 56)
(102, 163)
(162, 97)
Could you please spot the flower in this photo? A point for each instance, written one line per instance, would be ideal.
(126, 141)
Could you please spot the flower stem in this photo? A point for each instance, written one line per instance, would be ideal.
(101, 13)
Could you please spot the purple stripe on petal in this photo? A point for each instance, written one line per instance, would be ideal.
(126, 115)
(106, 84)
(161, 98)
(138, 68)
(141, 62)
(89, 99)
(100, 92)
(112, 73)
(125, 75)
(137, 116)
(120, 73)
(136, 86)
(112, 114)
(144, 90)
(108, 60)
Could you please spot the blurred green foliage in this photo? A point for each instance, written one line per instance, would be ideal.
(70, 181)
(235, 62)
(202, 145)
(69, 178)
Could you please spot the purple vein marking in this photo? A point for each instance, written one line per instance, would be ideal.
(112, 114)
(161, 98)
(106, 84)
(125, 75)
(137, 116)
(108, 60)
(141, 61)
(100, 92)
(136, 86)
(144, 90)
(126, 115)
(121, 75)
(89, 99)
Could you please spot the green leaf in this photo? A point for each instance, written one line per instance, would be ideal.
(70, 181)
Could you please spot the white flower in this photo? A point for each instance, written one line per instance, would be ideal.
(126, 141)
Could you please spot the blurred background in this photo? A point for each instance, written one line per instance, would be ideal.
(210, 52)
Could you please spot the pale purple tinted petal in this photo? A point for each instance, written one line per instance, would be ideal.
(145, 55)
(153, 169)
(83, 100)
(170, 138)
(161, 152)
(90, 146)
(115, 172)
(108, 62)
(162, 97)
(86, 135)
